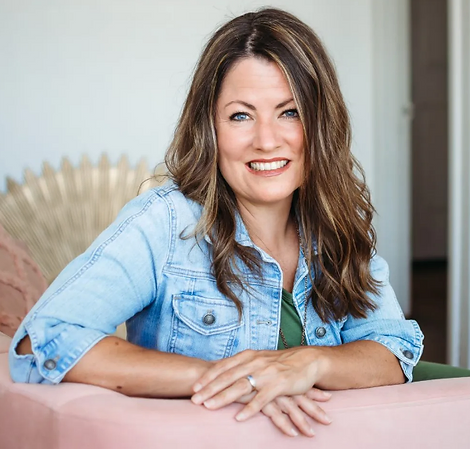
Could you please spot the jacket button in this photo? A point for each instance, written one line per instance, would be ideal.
(320, 332)
(208, 319)
(50, 364)
(408, 354)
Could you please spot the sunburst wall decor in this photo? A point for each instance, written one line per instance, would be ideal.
(59, 213)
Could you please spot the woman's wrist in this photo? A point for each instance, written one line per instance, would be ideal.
(198, 369)
(319, 361)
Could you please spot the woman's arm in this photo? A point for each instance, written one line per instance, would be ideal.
(118, 365)
(360, 364)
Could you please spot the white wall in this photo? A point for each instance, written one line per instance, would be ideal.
(458, 328)
(110, 75)
(87, 76)
(392, 144)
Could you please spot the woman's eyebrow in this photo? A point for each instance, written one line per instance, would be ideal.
(253, 108)
(281, 105)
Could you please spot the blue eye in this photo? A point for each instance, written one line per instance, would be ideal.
(291, 113)
(239, 117)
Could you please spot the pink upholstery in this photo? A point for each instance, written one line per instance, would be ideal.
(21, 283)
(434, 414)
(4, 343)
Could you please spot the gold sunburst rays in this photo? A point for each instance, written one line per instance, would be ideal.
(60, 212)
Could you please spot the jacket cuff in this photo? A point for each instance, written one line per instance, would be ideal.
(55, 357)
(407, 352)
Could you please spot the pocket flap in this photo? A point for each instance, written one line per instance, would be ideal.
(207, 316)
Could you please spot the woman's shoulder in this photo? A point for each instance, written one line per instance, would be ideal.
(379, 268)
(163, 201)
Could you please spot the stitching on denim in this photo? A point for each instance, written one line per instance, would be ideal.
(30, 371)
(173, 228)
(198, 275)
(418, 341)
(209, 301)
(174, 335)
(229, 346)
(172, 216)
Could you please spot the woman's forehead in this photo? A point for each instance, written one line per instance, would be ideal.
(255, 79)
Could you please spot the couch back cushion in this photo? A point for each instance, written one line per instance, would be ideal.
(21, 283)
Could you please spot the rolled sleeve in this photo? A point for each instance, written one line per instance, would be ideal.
(51, 362)
(386, 324)
(99, 290)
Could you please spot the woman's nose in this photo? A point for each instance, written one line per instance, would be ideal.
(266, 136)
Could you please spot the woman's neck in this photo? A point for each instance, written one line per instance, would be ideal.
(274, 230)
(270, 227)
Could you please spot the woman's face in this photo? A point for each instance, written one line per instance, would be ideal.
(259, 133)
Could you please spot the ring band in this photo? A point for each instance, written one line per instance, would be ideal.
(252, 381)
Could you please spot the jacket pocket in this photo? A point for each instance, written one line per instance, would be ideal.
(205, 328)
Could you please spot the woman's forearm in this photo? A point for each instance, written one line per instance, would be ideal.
(118, 365)
(360, 364)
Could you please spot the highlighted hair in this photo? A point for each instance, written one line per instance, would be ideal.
(333, 204)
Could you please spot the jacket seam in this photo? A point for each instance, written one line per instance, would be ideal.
(171, 244)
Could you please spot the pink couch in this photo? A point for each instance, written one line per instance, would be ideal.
(433, 414)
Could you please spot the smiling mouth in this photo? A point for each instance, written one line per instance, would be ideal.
(267, 166)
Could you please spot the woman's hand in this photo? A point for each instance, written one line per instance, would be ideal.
(291, 414)
(289, 372)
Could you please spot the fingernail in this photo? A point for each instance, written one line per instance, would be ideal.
(327, 394)
(240, 417)
(327, 418)
(196, 399)
(209, 403)
(294, 432)
(312, 431)
(197, 387)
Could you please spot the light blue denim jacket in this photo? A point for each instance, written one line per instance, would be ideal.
(140, 270)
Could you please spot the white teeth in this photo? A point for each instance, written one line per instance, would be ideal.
(264, 166)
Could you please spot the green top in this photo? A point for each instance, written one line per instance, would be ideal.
(291, 324)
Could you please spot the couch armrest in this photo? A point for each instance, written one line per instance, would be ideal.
(432, 414)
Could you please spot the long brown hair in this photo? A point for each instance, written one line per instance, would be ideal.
(333, 203)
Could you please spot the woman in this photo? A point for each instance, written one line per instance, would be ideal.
(262, 240)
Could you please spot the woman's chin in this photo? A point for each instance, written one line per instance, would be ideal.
(270, 197)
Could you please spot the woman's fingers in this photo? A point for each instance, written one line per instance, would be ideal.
(287, 415)
(224, 386)
(290, 407)
(312, 409)
(234, 393)
(247, 398)
(262, 398)
(291, 414)
(306, 401)
(279, 419)
(318, 395)
(221, 367)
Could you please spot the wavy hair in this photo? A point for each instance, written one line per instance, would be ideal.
(333, 204)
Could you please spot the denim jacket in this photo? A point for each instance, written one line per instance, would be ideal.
(140, 270)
